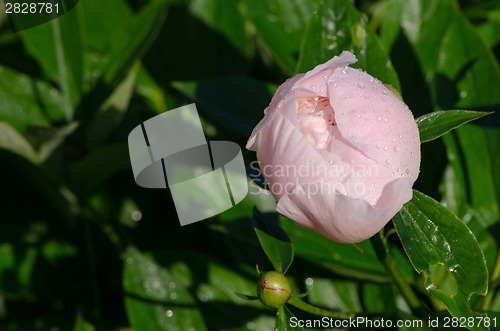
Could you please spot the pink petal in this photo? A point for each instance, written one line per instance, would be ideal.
(374, 120)
(317, 207)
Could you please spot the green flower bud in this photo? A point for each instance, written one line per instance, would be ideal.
(273, 289)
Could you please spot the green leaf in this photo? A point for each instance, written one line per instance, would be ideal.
(225, 18)
(274, 241)
(25, 101)
(99, 165)
(111, 111)
(13, 141)
(333, 294)
(198, 291)
(246, 296)
(58, 48)
(458, 69)
(108, 20)
(46, 140)
(337, 27)
(283, 316)
(82, 325)
(233, 102)
(434, 238)
(135, 41)
(280, 25)
(342, 258)
(433, 125)
(155, 298)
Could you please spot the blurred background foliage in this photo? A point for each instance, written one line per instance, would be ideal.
(83, 247)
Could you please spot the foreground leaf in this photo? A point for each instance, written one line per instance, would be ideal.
(274, 241)
(434, 238)
(433, 125)
(178, 290)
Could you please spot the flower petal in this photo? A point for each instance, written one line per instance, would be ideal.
(376, 121)
(315, 206)
(272, 109)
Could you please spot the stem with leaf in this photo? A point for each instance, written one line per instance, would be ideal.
(392, 269)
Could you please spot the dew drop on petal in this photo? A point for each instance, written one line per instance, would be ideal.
(407, 171)
(388, 161)
(385, 148)
(361, 85)
(378, 146)
(379, 118)
(384, 92)
(386, 120)
(396, 149)
(313, 87)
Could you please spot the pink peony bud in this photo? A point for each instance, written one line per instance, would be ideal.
(339, 151)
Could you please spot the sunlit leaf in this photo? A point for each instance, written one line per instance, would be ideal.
(433, 125)
(435, 238)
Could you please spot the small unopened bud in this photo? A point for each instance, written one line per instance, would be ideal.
(273, 289)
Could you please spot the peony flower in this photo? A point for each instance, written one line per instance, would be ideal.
(339, 151)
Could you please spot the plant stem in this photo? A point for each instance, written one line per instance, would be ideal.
(319, 311)
(494, 281)
(390, 266)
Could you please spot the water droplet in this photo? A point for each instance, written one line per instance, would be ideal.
(463, 94)
(388, 161)
(386, 120)
(171, 285)
(344, 72)
(378, 146)
(325, 77)
(379, 118)
(331, 162)
(349, 135)
(407, 171)
(53, 92)
(359, 116)
(412, 153)
(385, 148)
(361, 85)
(313, 87)
(363, 110)
(173, 295)
(396, 149)
(169, 313)
(384, 92)
(392, 174)
(309, 281)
